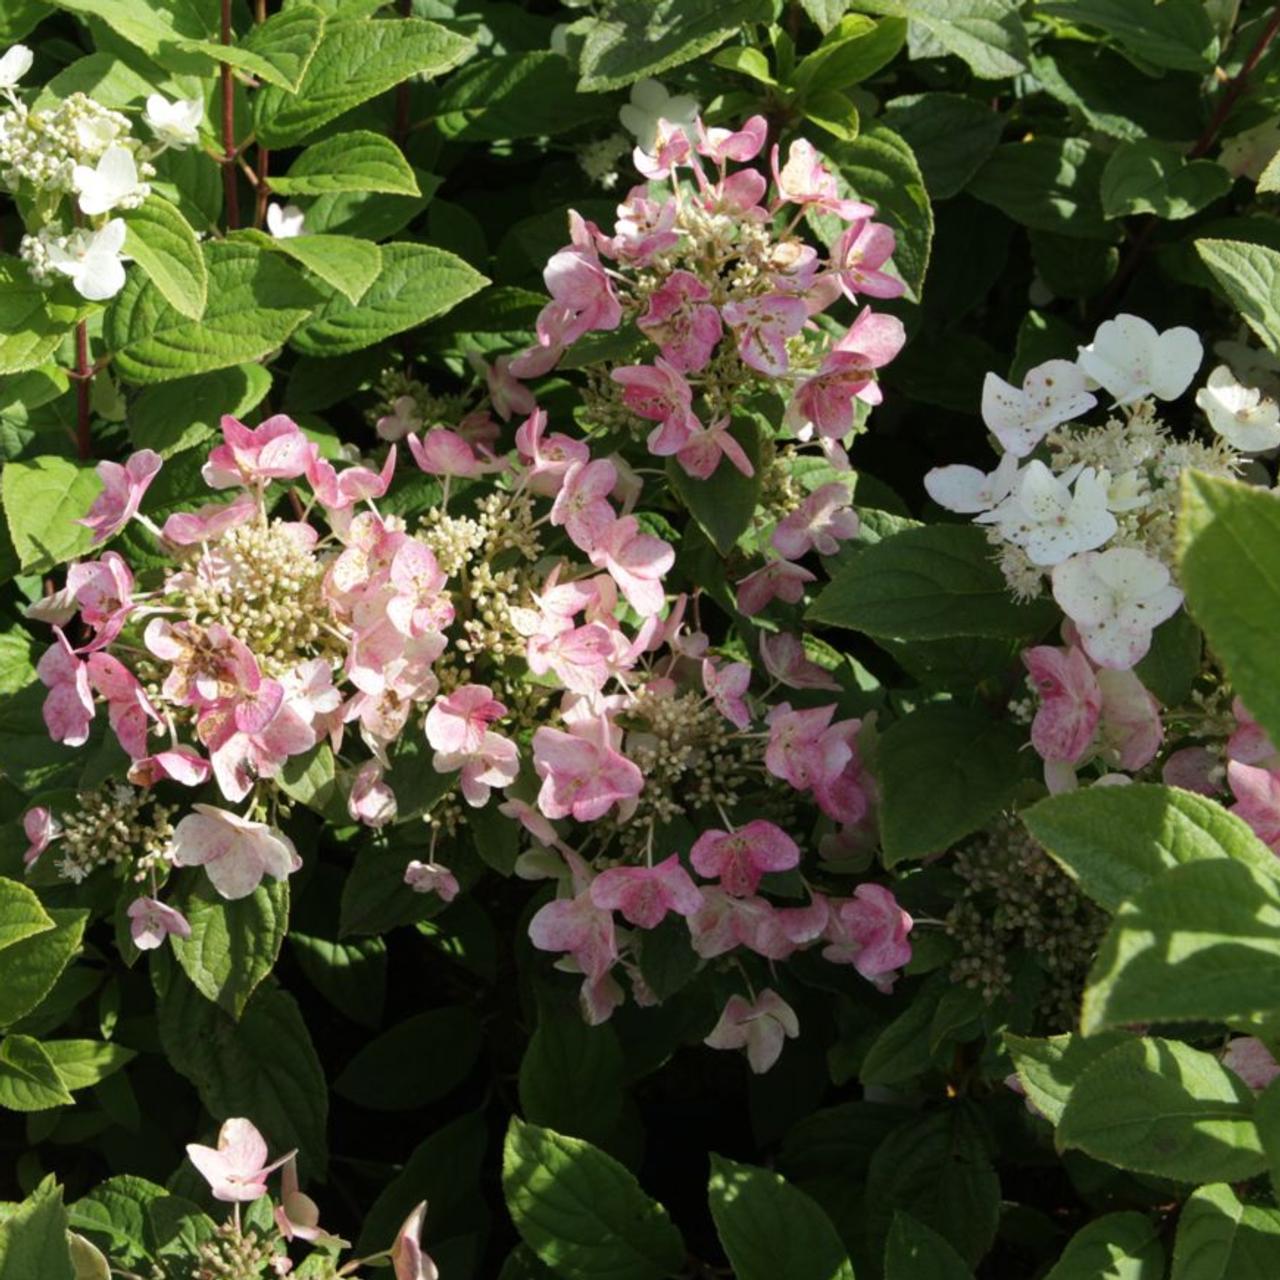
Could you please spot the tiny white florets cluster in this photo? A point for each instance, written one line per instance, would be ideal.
(80, 150)
(1091, 511)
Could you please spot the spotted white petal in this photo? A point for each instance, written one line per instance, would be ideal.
(1130, 359)
(967, 490)
(1245, 418)
(1051, 394)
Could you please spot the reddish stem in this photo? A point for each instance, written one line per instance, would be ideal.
(1202, 145)
(84, 386)
(232, 193)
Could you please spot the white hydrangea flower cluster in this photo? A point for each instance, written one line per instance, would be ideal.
(1091, 512)
(80, 149)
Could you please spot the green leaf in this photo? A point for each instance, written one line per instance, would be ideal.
(156, 29)
(178, 415)
(1049, 1069)
(160, 240)
(1200, 942)
(283, 46)
(1249, 274)
(1119, 1246)
(1170, 33)
(515, 95)
(934, 582)
(1173, 662)
(944, 770)
(20, 17)
(1161, 1107)
(21, 915)
(33, 319)
(416, 283)
(901, 1050)
(914, 1252)
(1114, 841)
(356, 161)
(1219, 1238)
(1050, 184)
(33, 1238)
(833, 112)
(80, 1064)
(986, 34)
(1156, 177)
(358, 59)
(936, 1168)
(29, 1081)
(417, 1062)
(723, 504)
(630, 39)
(1229, 542)
(352, 976)
(263, 1066)
(233, 945)
(949, 134)
(854, 51)
(255, 303)
(746, 61)
(43, 500)
(880, 169)
(32, 966)
(770, 1230)
(345, 263)
(571, 1075)
(582, 1212)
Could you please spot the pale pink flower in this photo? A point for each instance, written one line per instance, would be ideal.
(1249, 742)
(644, 228)
(442, 452)
(581, 777)
(661, 393)
(274, 450)
(1257, 793)
(644, 895)
(103, 589)
(495, 764)
(739, 859)
(122, 491)
(1131, 728)
(181, 764)
(1193, 769)
(1251, 1060)
(760, 1026)
(857, 257)
(371, 801)
(336, 491)
(210, 522)
(41, 828)
(781, 931)
(237, 1169)
(847, 795)
(801, 751)
(727, 687)
(700, 455)
(418, 604)
(431, 877)
(581, 658)
(531, 820)
(408, 1262)
(68, 706)
(577, 926)
(637, 562)
(682, 322)
(403, 418)
(725, 922)
(582, 505)
(507, 393)
(1070, 702)
(458, 722)
(870, 931)
(547, 457)
(128, 707)
(583, 297)
(785, 660)
(297, 1215)
(671, 149)
(820, 523)
(235, 852)
(739, 194)
(848, 374)
(739, 145)
(151, 922)
(804, 179)
(763, 326)
(778, 580)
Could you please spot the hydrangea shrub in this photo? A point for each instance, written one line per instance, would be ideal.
(638, 640)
